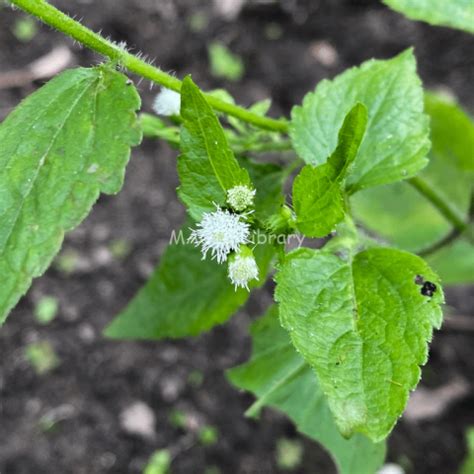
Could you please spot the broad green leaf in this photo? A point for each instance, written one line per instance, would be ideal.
(363, 325)
(396, 141)
(454, 263)
(185, 296)
(399, 213)
(280, 378)
(207, 168)
(60, 148)
(454, 13)
(318, 197)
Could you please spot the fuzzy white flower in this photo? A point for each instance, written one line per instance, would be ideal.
(240, 197)
(220, 232)
(167, 102)
(242, 269)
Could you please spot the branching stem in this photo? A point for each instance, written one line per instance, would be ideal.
(62, 22)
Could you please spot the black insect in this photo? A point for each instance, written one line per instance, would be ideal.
(428, 288)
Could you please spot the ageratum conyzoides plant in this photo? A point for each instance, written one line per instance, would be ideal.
(377, 169)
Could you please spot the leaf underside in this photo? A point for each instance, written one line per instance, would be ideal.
(60, 148)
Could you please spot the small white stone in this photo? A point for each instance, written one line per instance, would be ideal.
(138, 419)
(391, 468)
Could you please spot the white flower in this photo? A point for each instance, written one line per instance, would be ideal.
(220, 232)
(240, 197)
(243, 268)
(167, 102)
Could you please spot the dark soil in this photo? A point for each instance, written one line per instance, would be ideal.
(97, 379)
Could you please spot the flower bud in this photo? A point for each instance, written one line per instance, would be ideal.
(240, 197)
(243, 267)
(283, 222)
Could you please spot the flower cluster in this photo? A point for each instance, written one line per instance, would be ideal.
(220, 232)
(224, 233)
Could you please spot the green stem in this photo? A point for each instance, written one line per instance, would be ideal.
(62, 22)
(444, 208)
(153, 127)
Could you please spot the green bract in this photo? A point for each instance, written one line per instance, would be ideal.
(364, 325)
(397, 137)
(60, 148)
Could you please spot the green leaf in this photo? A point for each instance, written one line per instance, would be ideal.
(318, 197)
(207, 168)
(225, 64)
(455, 13)
(404, 217)
(452, 131)
(60, 148)
(154, 127)
(185, 296)
(280, 378)
(364, 327)
(159, 463)
(396, 141)
(42, 356)
(468, 463)
(46, 309)
(454, 262)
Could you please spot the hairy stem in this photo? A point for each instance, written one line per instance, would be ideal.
(62, 22)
